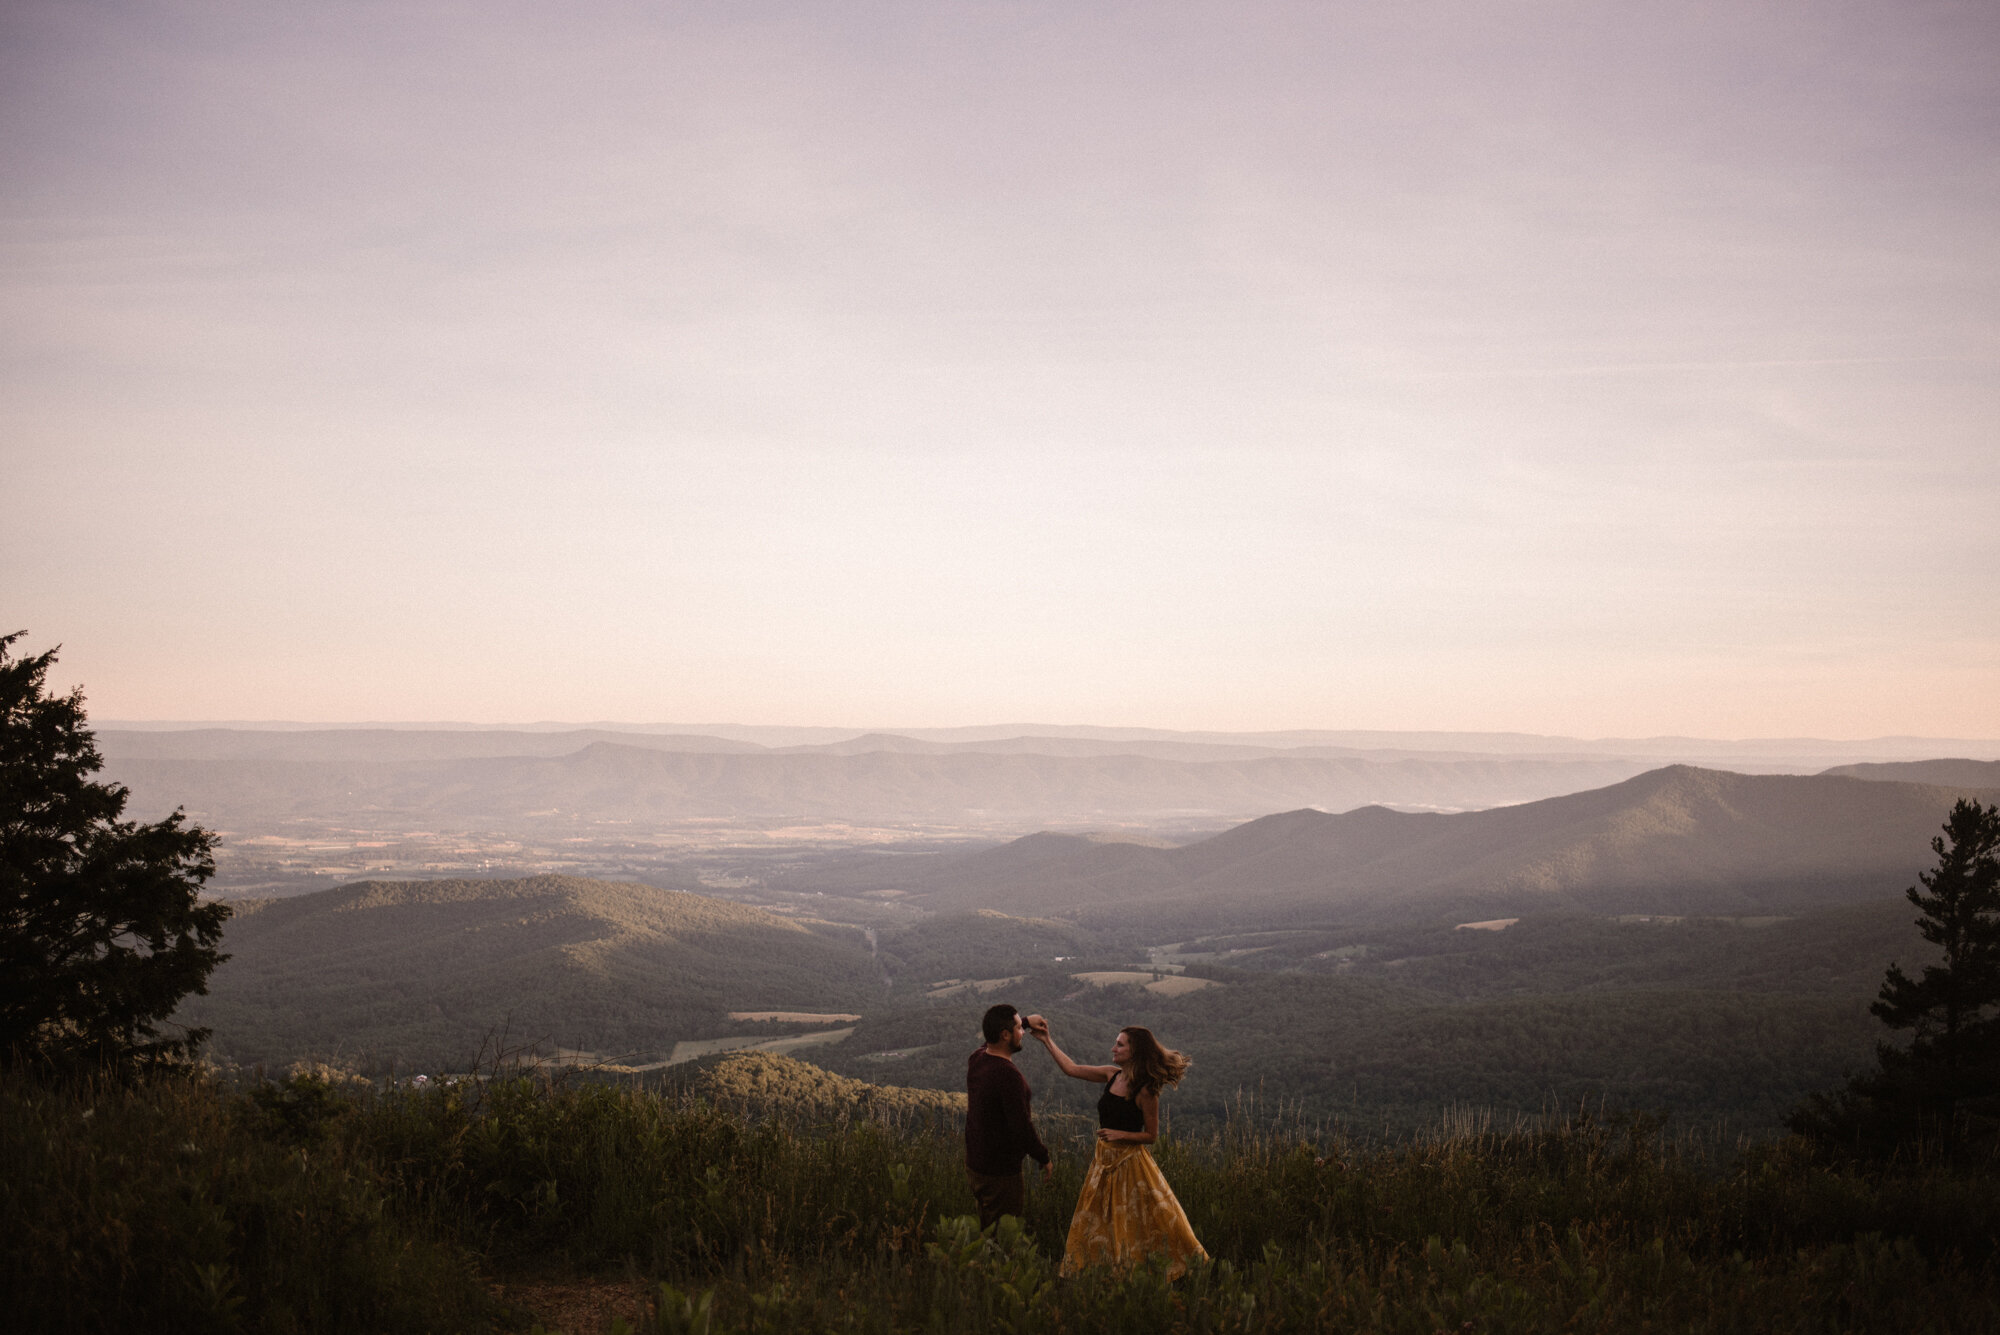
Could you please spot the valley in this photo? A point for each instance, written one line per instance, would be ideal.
(1691, 943)
(1508, 930)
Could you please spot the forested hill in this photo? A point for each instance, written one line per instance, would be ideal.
(1947, 773)
(424, 971)
(1674, 840)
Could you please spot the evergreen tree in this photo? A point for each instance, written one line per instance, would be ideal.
(1949, 1074)
(1948, 1006)
(102, 929)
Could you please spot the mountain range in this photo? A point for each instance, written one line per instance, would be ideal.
(383, 778)
(1676, 840)
(232, 787)
(424, 970)
(1948, 773)
(1796, 754)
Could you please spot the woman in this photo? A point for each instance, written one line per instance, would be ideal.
(1126, 1212)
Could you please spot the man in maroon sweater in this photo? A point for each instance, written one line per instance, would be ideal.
(999, 1128)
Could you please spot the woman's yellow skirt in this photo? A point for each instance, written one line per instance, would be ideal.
(1126, 1213)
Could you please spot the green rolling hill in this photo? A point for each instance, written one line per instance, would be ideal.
(422, 972)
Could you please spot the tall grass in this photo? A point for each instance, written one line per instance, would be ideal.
(182, 1205)
(191, 1206)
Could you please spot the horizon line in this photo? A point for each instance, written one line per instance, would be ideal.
(1025, 730)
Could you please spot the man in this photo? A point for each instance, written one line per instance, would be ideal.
(999, 1128)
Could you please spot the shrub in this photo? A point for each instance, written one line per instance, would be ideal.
(175, 1205)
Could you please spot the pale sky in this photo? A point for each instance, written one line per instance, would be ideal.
(1598, 369)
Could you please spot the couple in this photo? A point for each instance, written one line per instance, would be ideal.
(1126, 1211)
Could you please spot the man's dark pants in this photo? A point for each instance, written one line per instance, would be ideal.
(996, 1196)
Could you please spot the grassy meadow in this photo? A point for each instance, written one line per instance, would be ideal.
(314, 1204)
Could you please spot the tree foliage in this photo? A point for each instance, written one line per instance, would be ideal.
(102, 928)
(1947, 1079)
(1947, 1005)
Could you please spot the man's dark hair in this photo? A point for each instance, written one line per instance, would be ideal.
(997, 1021)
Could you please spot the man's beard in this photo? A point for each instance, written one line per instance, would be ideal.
(1013, 1042)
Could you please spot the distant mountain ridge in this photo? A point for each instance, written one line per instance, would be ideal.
(1948, 773)
(1720, 752)
(612, 780)
(1673, 840)
(994, 778)
(385, 745)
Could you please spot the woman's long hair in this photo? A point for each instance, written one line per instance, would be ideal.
(1154, 1066)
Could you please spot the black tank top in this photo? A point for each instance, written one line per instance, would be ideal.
(1118, 1113)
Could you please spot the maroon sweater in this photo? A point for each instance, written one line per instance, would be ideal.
(998, 1128)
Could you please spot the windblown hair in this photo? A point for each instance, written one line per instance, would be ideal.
(1156, 1067)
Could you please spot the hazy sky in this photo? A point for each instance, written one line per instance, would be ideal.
(1602, 369)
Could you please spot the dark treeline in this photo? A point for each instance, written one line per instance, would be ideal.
(1716, 1022)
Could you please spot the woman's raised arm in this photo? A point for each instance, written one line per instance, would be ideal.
(1039, 1027)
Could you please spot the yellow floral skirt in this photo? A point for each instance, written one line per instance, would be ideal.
(1126, 1213)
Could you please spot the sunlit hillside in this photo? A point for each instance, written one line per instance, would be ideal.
(423, 972)
(765, 1084)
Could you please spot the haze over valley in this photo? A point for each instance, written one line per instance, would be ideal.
(1694, 941)
(304, 808)
(1483, 922)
